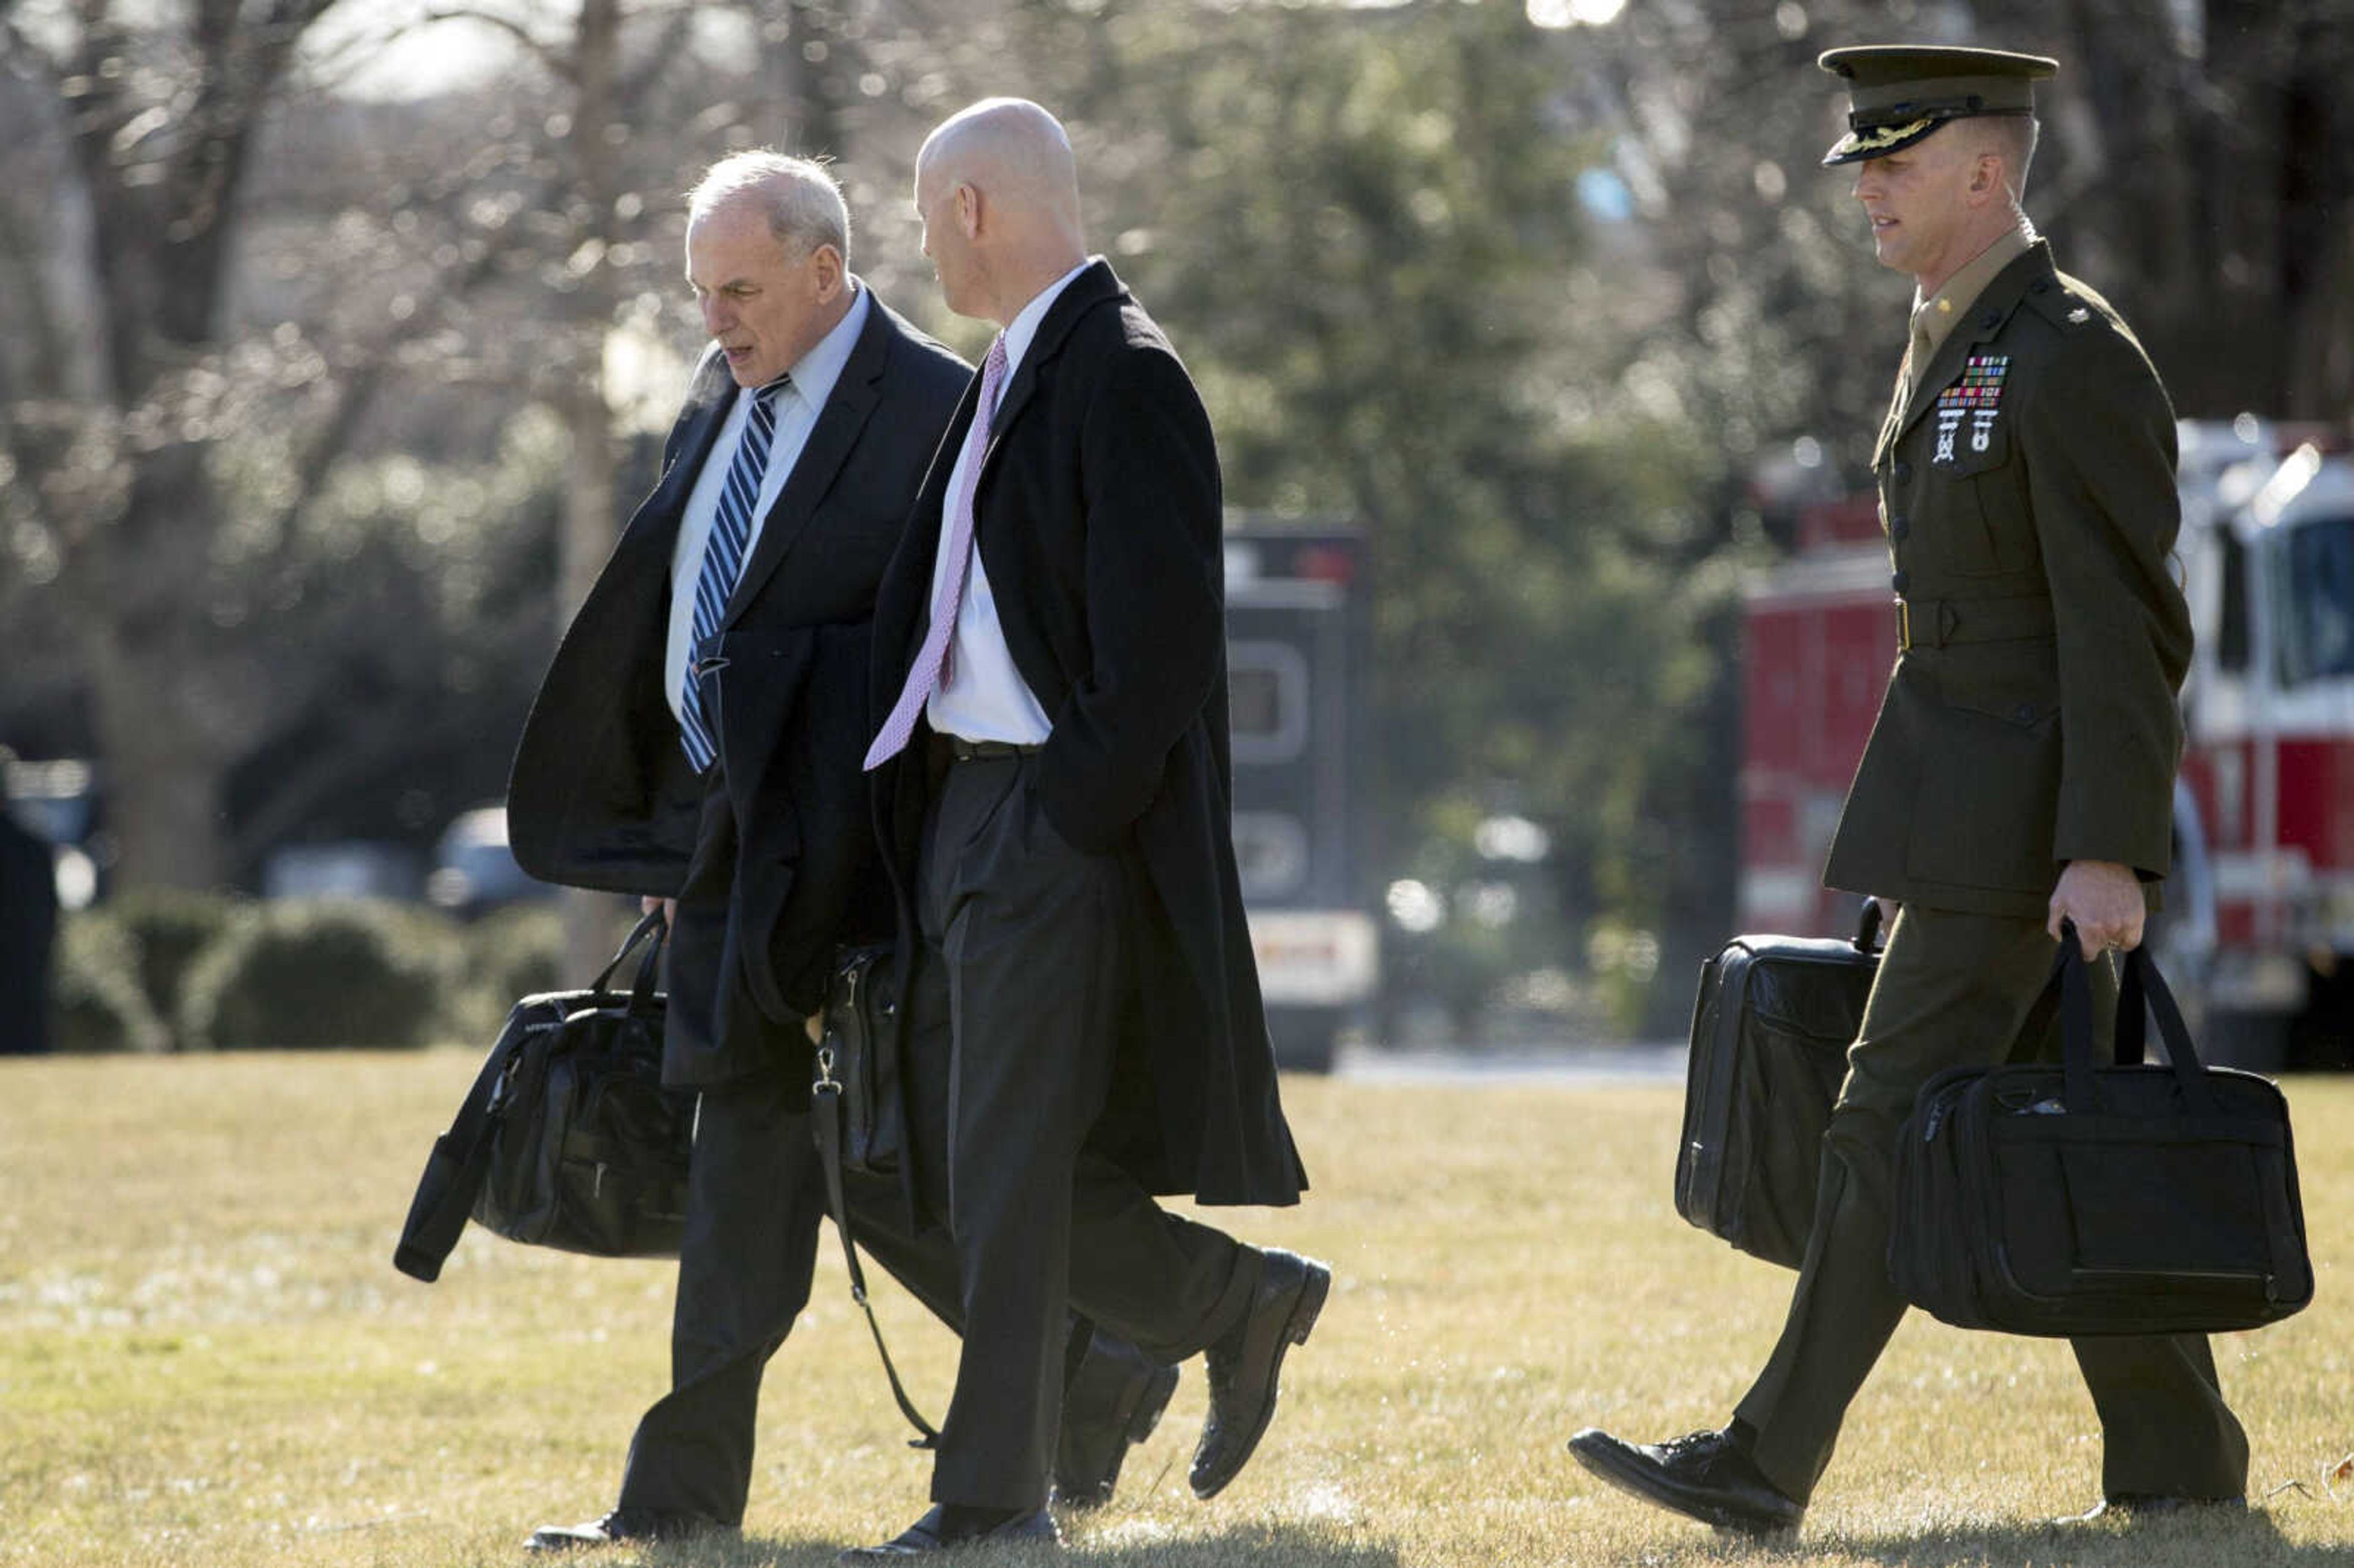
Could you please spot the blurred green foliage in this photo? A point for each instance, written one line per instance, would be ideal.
(299, 973)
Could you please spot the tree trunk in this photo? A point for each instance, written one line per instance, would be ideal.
(589, 520)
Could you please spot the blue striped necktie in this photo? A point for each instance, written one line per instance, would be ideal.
(722, 563)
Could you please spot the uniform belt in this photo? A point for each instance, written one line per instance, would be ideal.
(963, 750)
(1942, 622)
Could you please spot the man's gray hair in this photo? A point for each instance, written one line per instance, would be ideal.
(799, 195)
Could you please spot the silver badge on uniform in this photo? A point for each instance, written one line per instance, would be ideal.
(1948, 421)
(1977, 398)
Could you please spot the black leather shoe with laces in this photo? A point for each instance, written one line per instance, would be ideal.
(1111, 1402)
(1247, 1360)
(1707, 1476)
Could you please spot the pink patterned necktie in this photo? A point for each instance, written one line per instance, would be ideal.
(924, 678)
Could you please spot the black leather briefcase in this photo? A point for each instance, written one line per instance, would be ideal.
(1769, 1037)
(2076, 1198)
(568, 1139)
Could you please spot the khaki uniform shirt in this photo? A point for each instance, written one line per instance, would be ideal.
(2026, 479)
(1934, 318)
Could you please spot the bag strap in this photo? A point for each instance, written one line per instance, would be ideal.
(826, 1117)
(2146, 989)
(2142, 988)
(641, 990)
(455, 1171)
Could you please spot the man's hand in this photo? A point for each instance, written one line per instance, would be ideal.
(648, 904)
(815, 1026)
(2105, 900)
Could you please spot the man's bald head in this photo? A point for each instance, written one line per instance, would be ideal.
(998, 189)
(1013, 151)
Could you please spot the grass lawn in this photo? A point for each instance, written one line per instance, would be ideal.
(205, 1357)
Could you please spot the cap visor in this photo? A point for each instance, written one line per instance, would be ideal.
(1877, 143)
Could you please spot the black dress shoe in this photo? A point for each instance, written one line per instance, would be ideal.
(2130, 1507)
(949, 1526)
(1113, 1399)
(620, 1526)
(1707, 1476)
(1246, 1362)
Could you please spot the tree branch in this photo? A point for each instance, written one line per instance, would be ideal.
(553, 59)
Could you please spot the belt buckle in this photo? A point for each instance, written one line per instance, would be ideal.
(1904, 626)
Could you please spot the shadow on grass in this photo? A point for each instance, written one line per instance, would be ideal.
(1118, 1546)
(2250, 1540)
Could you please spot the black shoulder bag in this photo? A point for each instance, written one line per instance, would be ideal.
(567, 1137)
(2081, 1197)
(856, 1116)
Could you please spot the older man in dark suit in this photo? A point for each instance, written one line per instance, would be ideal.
(1051, 781)
(698, 739)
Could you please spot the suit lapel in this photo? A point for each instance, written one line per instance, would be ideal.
(903, 606)
(1987, 313)
(829, 440)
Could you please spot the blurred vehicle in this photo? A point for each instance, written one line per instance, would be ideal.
(1296, 629)
(2262, 906)
(347, 868)
(56, 800)
(2258, 928)
(473, 869)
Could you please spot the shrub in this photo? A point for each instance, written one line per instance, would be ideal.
(518, 950)
(100, 1003)
(325, 972)
(169, 929)
(511, 953)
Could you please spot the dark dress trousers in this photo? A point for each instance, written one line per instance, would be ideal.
(770, 856)
(1085, 1023)
(2027, 488)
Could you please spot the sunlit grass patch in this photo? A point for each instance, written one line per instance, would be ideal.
(205, 1357)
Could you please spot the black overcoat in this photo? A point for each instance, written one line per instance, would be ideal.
(1097, 518)
(601, 794)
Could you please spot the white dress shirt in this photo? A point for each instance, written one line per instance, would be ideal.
(985, 697)
(797, 408)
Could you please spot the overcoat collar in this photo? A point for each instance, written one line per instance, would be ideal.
(1089, 289)
(710, 393)
(1988, 314)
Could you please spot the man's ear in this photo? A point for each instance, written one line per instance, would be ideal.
(968, 210)
(1985, 175)
(829, 271)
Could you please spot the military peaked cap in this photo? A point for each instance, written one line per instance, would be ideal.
(1898, 94)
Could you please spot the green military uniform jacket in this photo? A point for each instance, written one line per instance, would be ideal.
(2027, 488)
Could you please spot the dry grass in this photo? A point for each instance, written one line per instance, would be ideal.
(205, 1357)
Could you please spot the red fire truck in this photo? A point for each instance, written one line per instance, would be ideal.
(2259, 926)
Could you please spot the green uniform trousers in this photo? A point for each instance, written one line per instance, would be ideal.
(1953, 991)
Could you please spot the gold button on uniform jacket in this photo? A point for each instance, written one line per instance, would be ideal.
(2027, 488)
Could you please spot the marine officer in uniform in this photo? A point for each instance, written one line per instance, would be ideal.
(2020, 772)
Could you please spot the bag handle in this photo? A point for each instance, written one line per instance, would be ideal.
(2142, 990)
(826, 1119)
(1867, 927)
(641, 990)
